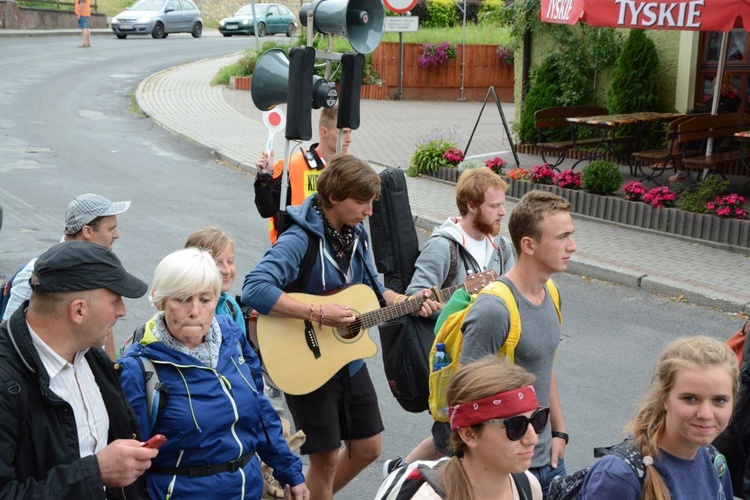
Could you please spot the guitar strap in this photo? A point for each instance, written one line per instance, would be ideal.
(374, 287)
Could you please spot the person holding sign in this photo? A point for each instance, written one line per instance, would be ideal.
(304, 169)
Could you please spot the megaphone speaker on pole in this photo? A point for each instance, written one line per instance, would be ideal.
(278, 79)
(360, 21)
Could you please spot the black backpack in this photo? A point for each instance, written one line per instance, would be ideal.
(405, 341)
(568, 487)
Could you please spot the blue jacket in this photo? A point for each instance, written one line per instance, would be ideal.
(280, 265)
(223, 309)
(211, 417)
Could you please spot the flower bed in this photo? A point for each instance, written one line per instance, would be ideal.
(668, 220)
(617, 209)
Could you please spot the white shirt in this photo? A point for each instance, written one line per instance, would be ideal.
(75, 384)
(481, 250)
(20, 291)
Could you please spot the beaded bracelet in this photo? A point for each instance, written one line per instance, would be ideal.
(312, 309)
(320, 322)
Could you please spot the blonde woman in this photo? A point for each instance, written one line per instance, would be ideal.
(688, 403)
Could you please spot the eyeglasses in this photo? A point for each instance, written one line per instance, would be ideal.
(515, 427)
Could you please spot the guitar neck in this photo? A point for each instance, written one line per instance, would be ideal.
(372, 318)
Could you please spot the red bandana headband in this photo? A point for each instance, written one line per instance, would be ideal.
(501, 405)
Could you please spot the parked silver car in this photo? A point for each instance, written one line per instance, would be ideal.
(159, 18)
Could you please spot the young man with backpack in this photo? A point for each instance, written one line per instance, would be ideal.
(470, 243)
(461, 246)
(345, 407)
(541, 229)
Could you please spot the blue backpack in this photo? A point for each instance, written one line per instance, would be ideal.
(568, 487)
(5, 292)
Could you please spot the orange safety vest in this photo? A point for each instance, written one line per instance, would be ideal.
(303, 181)
(83, 8)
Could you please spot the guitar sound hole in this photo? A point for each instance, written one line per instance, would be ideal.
(352, 331)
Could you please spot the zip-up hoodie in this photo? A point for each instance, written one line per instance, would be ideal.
(433, 265)
(211, 417)
(280, 265)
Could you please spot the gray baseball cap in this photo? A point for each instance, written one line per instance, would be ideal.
(87, 207)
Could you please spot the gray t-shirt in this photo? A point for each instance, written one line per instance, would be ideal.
(485, 329)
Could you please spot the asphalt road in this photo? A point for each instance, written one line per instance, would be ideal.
(67, 127)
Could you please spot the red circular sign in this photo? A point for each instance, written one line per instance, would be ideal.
(400, 6)
(274, 119)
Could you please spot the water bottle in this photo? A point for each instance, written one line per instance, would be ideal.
(441, 358)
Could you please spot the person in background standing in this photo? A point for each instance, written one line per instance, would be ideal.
(83, 13)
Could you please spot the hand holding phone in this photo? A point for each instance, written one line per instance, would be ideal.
(156, 441)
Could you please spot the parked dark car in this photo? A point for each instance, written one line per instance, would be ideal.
(159, 18)
(272, 18)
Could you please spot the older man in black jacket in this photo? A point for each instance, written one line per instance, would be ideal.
(66, 429)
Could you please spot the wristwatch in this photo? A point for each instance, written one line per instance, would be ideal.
(561, 435)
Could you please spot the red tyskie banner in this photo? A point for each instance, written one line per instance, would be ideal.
(692, 15)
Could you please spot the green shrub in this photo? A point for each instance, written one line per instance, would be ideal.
(546, 92)
(440, 14)
(602, 177)
(634, 86)
(493, 11)
(695, 199)
(428, 157)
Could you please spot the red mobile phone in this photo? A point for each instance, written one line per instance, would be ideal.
(155, 441)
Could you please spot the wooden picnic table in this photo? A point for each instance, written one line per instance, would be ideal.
(610, 123)
(615, 121)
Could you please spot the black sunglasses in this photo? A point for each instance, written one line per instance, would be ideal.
(515, 427)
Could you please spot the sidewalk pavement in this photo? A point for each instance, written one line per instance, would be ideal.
(225, 121)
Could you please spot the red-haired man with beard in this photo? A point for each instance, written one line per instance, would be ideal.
(462, 246)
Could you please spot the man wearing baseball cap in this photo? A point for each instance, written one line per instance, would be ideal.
(90, 217)
(66, 427)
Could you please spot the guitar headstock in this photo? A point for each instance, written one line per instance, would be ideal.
(475, 282)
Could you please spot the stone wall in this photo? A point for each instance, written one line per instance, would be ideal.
(19, 18)
(214, 10)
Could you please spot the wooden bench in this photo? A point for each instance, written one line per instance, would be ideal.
(553, 118)
(669, 157)
(716, 127)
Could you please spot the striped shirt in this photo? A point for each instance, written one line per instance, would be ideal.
(75, 384)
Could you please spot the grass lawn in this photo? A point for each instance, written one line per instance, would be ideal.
(476, 34)
(112, 7)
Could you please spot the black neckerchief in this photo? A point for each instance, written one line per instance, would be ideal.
(342, 242)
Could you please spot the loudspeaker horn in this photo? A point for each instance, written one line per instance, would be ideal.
(270, 85)
(360, 21)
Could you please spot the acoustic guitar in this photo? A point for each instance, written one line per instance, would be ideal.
(300, 356)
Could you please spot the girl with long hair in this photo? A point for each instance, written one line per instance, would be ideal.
(688, 403)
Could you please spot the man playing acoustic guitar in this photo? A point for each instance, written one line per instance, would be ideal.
(345, 406)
